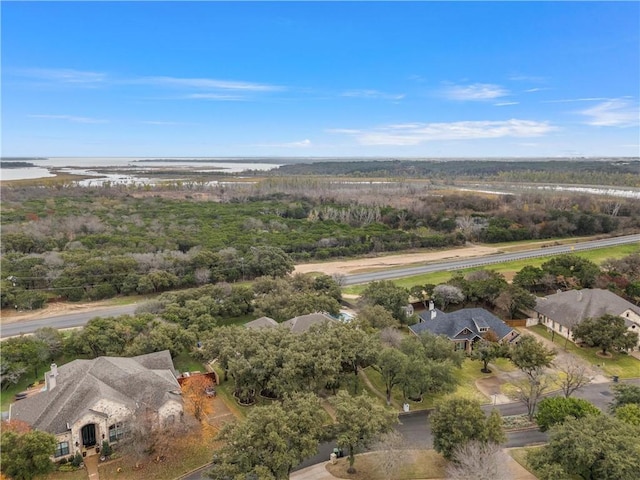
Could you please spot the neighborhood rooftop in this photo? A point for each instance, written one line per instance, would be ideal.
(452, 324)
(573, 306)
(146, 379)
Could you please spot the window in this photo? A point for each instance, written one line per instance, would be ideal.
(484, 329)
(116, 432)
(62, 449)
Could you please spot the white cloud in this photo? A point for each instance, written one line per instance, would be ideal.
(69, 118)
(615, 112)
(373, 94)
(62, 75)
(417, 133)
(505, 104)
(209, 83)
(572, 100)
(475, 92)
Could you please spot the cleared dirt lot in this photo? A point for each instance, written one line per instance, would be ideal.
(361, 265)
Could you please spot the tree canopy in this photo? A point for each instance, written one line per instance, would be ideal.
(457, 421)
(607, 332)
(26, 455)
(591, 448)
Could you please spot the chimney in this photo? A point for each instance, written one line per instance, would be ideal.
(50, 377)
(433, 314)
(431, 306)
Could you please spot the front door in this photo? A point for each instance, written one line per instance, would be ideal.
(89, 435)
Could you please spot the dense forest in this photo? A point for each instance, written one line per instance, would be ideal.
(81, 243)
(618, 172)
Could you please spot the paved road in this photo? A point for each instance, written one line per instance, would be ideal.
(70, 320)
(487, 260)
(80, 319)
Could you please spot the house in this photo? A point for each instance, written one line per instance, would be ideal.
(297, 324)
(561, 311)
(262, 322)
(304, 322)
(87, 401)
(463, 327)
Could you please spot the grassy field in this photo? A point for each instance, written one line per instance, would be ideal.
(620, 364)
(508, 269)
(520, 456)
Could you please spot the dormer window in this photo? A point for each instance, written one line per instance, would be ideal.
(484, 329)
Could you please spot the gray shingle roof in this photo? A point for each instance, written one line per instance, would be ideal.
(80, 384)
(573, 306)
(261, 322)
(304, 322)
(453, 324)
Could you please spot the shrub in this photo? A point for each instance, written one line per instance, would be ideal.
(77, 460)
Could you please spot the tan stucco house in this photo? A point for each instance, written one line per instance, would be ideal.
(87, 401)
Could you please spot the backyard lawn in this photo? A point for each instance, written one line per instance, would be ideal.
(620, 364)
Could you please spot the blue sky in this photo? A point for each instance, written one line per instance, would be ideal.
(403, 79)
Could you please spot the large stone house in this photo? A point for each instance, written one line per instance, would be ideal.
(561, 311)
(463, 327)
(87, 401)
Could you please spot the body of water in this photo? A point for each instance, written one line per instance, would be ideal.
(89, 165)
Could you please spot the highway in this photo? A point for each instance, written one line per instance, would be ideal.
(70, 320)
(487, 260)
(73, 320)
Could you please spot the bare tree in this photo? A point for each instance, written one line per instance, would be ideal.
(574, 376)
(391, 337)
(444, 295)
(393, 455)
(479, 461)
(530, 390)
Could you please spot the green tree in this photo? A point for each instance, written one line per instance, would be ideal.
(23, 456)
(629, 413)
(572, 269)
(591, 448)
(457, 421)
(270, 441)
(529, 278)
(375, 317)
(555, 410)
(391, 364)
(515, 299)
(270, 261)
(388, 295)
(607, 332)
(531, 356)
(360, 421)
(624, 394)
(487, 350)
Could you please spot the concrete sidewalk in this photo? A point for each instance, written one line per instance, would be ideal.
(314, 472)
